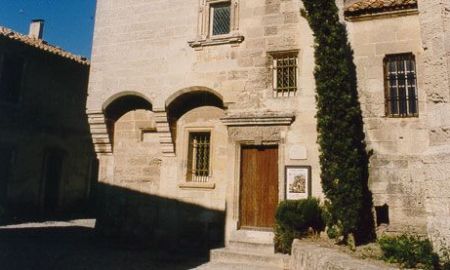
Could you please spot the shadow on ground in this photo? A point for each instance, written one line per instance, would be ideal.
(76, 247)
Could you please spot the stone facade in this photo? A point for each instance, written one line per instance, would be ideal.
(46, 149)
(157, 75)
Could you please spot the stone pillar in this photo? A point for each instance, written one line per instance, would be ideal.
(435, 74)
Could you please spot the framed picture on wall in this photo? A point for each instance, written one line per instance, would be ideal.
(297, 182)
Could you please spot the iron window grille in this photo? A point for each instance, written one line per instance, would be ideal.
(220, 18)
(285, 74)
(199, 156)
(401, 85)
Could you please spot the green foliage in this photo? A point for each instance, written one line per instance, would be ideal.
(410, 251)
(343, 155)
(296, 219)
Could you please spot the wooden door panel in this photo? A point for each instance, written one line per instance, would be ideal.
(259, 186)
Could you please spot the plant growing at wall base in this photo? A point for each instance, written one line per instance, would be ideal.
(343, 156)
(296, 219)
(410, 251)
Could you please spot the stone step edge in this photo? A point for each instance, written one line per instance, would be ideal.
(230, 251)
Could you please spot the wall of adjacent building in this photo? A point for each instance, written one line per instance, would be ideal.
(50, 114)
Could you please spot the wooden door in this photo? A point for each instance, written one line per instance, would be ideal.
(259, 186)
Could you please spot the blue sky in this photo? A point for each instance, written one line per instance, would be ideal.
(68, 23)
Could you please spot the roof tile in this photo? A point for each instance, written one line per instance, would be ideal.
(371, 6)
(42, 45)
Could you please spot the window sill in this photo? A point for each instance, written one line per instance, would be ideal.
(197, 185)
(234, 40)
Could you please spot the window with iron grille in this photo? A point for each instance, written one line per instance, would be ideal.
(199, 156)
(285, 74)
(401, 85)
(220, 18)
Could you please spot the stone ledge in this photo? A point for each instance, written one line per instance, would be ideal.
(228, 39)
(197, 185)
(310, 256)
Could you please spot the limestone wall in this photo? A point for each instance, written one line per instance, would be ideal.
(142, 47)
(396, 142)
(153, 48)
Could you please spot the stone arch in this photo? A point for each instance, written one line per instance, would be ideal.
(121, 103)
(188, 99)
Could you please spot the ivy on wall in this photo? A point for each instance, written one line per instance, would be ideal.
(343, 156)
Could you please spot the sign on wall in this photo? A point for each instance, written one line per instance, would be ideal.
(298, 182)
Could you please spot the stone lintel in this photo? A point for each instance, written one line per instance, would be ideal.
(259, 119)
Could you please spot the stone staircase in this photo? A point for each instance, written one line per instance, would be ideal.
(248, 250)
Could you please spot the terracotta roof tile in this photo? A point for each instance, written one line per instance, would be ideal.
(41, 45)
(371, 6)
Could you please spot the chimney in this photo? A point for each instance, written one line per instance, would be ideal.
(36, 29)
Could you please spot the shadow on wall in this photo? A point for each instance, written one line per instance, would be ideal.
(156, 221)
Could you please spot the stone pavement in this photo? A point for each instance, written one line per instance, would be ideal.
(74, 245)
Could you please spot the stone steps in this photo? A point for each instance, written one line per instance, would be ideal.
(250, 258)
(232, 266)
(248, 249)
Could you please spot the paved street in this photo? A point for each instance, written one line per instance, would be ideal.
(73, 245)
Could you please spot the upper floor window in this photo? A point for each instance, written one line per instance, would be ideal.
(199, 156)
(218, 23)
(11, 73)
(401, 85)
(284, 74)
(220, 18)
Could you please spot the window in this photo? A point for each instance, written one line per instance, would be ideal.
(284, 74)
(218, 24)
(220, 18)
(401, 85)
(199, 156)
(11, 71)
(6, 163)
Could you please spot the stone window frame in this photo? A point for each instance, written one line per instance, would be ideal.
(204, 25)
(387, 93)
(274, 55)
(186, 182)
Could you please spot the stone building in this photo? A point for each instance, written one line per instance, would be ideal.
(46, 152)
(201, 111)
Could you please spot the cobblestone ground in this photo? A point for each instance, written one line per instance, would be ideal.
(73, 245)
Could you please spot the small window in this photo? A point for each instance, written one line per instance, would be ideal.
(11, 71)
(199, 156)
(401, 85)
(285, 74)
(220, 18)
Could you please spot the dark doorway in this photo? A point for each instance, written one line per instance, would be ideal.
(259, 187)
(53, 163)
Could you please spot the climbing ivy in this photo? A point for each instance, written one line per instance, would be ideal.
(343, 155)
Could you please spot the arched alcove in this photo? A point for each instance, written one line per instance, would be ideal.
(188, 99)
(120, 104)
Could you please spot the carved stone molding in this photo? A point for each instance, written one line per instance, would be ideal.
(163, 129)
(258, 128)
(259, 119)
(99, 132)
